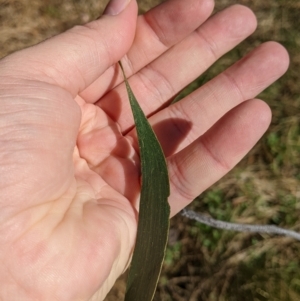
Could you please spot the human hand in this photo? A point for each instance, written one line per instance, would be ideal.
(69, 161)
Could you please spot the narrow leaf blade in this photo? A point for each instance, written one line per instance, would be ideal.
(154, 211)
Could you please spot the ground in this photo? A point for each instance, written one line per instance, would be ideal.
(203, 263)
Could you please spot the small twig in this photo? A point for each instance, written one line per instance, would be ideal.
(270, 229)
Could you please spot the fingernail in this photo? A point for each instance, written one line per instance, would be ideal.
(114, 7)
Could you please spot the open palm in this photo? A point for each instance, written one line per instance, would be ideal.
(69, 159)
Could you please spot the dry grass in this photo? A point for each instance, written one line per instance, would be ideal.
(203, 263)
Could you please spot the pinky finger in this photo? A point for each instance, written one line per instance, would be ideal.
(211, 156)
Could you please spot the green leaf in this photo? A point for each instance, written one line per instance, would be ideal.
(154, 211)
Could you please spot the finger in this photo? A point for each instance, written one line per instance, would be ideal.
(195, 114)
(76, 58)
(211, 156)
(157, 30)
(159, 81)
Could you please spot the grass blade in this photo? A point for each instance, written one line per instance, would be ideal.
(154, 212)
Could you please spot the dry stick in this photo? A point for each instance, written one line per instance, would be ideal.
(238, 227)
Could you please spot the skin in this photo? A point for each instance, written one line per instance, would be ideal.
(69, 163)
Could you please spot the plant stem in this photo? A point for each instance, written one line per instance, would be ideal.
(270, 229)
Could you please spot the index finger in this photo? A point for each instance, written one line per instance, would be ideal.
(157, 31)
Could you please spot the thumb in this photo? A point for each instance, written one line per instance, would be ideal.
(76, 58)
